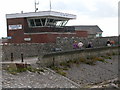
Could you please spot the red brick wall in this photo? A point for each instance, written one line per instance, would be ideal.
(15, 22)
(81, 33)
(45, 38)
(42, 38)
(18, 35)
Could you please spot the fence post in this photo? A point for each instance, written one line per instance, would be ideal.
(12, 57)
(53, 61)
(22, 57)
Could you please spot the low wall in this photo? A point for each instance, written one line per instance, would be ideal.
(28, 50)
(58, 57)
(66, 42)
(37, 49)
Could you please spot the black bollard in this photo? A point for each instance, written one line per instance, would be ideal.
(22, 57)
(11, 57)
(53, 61)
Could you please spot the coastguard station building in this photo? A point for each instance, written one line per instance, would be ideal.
(41, 27)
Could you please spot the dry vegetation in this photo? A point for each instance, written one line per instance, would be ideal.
(90, 60)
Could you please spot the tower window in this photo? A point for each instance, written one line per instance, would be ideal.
(40, 22)
(31, 22)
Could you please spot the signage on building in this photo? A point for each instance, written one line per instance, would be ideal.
(27, 39)
(15, 27)
(9, 37)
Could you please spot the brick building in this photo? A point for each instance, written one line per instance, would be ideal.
(93, 31)
(40, 27)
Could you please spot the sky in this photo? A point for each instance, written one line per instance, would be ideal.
(103, 13)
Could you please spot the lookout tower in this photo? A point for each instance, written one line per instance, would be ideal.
(39, 27)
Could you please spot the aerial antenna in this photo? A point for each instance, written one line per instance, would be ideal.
(36, 3)
(50, 5)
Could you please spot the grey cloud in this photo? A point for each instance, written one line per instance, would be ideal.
(103, 9)
(74, 6)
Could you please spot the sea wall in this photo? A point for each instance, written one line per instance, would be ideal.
(39, 49)
(56, 58)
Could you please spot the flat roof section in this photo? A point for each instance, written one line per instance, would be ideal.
(41, 14)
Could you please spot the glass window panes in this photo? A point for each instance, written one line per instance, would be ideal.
(31, 21)
(43, 21)
(38, 22)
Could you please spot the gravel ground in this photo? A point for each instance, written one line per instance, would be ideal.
(35, 80)
(88, 74)
(82, 75)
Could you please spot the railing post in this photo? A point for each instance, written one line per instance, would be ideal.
(53, 61)
(11, 57)
(22, 57)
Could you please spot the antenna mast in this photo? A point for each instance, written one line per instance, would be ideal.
(50, 5)
(36, 3)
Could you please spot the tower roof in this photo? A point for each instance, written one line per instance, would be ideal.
(42, 14)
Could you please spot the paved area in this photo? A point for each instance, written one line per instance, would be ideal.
(30, 60)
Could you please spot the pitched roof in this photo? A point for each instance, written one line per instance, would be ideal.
(92, 29)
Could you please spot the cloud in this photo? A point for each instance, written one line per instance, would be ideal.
(92, 8)
(89, 12)
(104, 9)
(70, 5)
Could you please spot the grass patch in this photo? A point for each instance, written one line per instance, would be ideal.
(82, 59)
(66, 64)
(119, 53)
(24, 69)
(106, 57)
(35, 69)
(12, 71)
(109, 54)
(76, 62)
(90, 62)
(59, 70)
(100, 59)
(113, 53)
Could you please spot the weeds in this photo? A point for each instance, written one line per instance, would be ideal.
(82, 59)
(66, 64)
(106, 57)
(101, 59)
(35, 69)
(109, 54)
(113, 53)
(59, 70)
(12, 70)
(24, 69)
(76, 61)
(90, 62)
(91, 57)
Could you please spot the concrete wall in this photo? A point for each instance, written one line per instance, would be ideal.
(35, 49)
(28, 50)
(57, 57)
(66, 43)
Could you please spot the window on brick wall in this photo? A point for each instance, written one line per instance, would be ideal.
(31, 22)
(40, 22)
